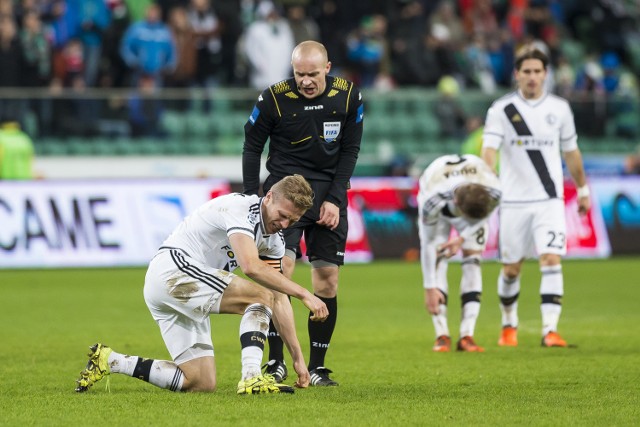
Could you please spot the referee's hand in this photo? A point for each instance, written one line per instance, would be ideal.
(329, 215)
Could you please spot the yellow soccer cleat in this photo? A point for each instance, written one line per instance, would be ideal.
(262, 384)
(96, 369)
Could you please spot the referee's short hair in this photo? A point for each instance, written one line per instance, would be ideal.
(295, 189)
(529, 52)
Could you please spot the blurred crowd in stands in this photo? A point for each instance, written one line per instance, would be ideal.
(71, 45)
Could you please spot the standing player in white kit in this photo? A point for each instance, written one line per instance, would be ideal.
(459, 192)
(530, 128)
(191, 277)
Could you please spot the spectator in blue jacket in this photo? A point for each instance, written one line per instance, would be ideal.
(147, 47)
(93, 19)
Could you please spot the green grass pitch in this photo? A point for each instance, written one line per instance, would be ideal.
(380, 354)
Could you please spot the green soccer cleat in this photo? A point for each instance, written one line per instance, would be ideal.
(96, 369)
(262, 384)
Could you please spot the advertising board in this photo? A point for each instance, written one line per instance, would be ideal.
(94, 223)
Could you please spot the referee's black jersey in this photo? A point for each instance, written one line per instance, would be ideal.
(317, 138)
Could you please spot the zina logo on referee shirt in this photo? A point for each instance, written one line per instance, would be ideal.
(331, 131)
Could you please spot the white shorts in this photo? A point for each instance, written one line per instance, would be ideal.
(532, 229)
(440, 232)
(181, 293)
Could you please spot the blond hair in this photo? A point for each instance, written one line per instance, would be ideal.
(296, 189)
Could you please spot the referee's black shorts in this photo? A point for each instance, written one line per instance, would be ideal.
(322, 243)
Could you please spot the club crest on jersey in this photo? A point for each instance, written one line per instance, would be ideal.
(331, 131)
(551, 118)
(253, 218)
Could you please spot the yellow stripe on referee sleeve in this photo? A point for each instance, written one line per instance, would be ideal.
(276, 101)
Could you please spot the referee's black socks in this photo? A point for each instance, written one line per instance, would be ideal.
(320, 333)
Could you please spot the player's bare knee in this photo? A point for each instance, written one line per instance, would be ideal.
(325, 279)
(547, 260)
(199, 385)
(511, 271)
(264, 296)
(252, 293)
(466, 253)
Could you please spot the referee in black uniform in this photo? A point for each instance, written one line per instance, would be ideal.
(314, 125)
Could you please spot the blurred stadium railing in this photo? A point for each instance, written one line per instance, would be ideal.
(398, 123)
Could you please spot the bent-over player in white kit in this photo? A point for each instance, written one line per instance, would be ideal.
(459, 192)
(530, 128)
(191, 277)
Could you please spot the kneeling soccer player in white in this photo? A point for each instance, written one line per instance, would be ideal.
(191, 277)
(459, 192)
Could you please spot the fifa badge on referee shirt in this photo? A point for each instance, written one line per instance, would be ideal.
(331, 131)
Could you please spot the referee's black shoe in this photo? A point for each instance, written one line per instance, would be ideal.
(277, 369)
(320, 377)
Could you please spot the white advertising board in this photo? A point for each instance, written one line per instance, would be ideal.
(94, 223)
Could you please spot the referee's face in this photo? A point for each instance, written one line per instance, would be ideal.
(530, 78)
(310, 71)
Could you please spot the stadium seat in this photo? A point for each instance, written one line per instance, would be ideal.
(173, 146)
(50, 147)
(148, 146)
(174, 123)
(104, 146)
(30, 123)
(78, 146)
(220, 123)
(427, 126)
(229, 145)
(573, 51)
(197, 146)
(123, 147)
(198, 124)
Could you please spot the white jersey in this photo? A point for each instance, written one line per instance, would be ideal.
(204, 234)
(442, 177)
(529, 135)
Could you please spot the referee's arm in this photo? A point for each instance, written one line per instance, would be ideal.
(256, 133)
(350, 147)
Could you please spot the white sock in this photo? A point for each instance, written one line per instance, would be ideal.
(161, 373)
(440, 322)
(470, 290)
(470, 313)
(166, 374)
(254, 328)
(551, 290)
(509, 289)
(550, 317)
(510, 314)
(122, 363)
